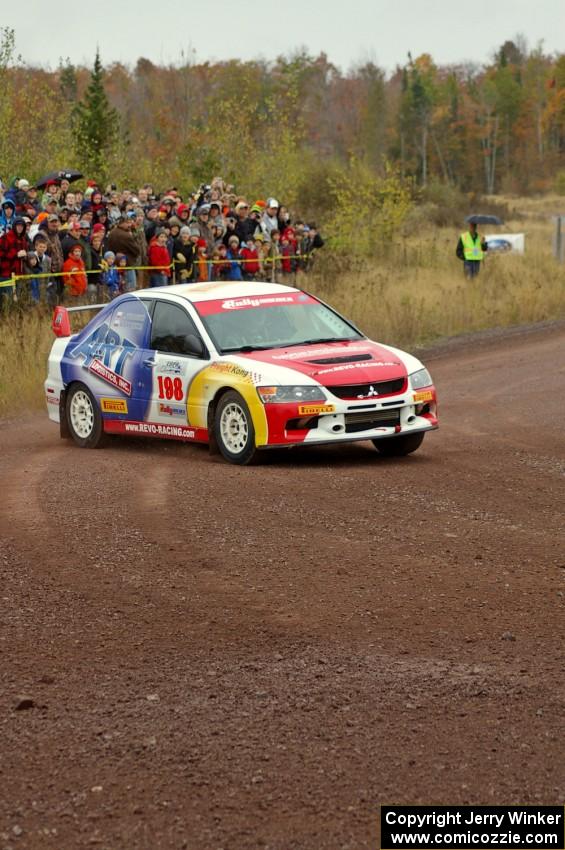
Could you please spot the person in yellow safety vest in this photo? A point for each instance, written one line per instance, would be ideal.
(471, 249)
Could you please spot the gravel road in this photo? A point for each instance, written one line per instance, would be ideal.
(195, 655)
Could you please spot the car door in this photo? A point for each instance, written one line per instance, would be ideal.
(107, 356)
(176, 353)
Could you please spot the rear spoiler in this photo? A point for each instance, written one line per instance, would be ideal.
(61, 322)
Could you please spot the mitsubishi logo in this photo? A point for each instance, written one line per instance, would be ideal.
(371, 394)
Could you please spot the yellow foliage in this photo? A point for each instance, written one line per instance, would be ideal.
(367, 210)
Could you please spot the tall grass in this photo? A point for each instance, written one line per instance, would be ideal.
(417, 291)
(412, 295)
(25, 340)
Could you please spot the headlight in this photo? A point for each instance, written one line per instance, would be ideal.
(419, 379)
(286, 395)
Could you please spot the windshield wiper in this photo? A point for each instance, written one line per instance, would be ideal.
(323, 339)
(246, 348)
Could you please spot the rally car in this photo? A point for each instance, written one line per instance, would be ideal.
(240, 366)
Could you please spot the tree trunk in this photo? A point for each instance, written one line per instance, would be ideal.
(444, 168)
(425, 155)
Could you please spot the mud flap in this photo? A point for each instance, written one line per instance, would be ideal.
(64, 432)
(212, 443)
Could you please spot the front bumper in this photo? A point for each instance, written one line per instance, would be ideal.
(339, 421)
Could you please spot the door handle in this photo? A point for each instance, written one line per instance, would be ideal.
(150, 362)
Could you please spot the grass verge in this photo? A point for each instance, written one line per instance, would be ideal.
(414, 294)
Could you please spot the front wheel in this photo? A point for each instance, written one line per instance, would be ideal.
(233, 429)
(405, 444)
(84, 419)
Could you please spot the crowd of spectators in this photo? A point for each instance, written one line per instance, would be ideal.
(97, 244)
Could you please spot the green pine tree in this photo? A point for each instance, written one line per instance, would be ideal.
(96, 126)
(67, 81)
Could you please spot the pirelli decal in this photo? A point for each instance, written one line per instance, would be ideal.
(315, 409)
(114, 405)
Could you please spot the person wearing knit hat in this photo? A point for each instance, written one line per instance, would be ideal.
(110, 277)
(37, 263)
(183, 255)
(233, 256)
(202, 265)
(121, 264)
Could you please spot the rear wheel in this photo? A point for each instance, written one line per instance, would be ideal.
(233, 429)
(84, 419)
(399, 446)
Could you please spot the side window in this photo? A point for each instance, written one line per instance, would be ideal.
(174, 331)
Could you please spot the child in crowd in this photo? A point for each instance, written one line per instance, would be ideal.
(222, 267)
(274, 262)
(30, 292)
(251, 260)
(202, 261)
(234, 256)
(37, 263)
(287, 270)
(121, 263)
(74, 277)
(110, 276)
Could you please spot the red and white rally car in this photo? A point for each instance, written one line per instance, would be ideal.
(242, 366)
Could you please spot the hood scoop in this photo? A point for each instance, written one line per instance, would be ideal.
(350, 358)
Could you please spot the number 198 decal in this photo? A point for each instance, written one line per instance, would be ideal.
(170, 388)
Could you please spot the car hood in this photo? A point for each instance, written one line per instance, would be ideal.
(337, 363)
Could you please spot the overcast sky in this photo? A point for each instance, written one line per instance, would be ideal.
(348, 32)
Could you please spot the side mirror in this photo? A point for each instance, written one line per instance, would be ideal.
(193, 345)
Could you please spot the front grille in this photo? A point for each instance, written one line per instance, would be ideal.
(350, 358)
(371, 419)
(368, 390)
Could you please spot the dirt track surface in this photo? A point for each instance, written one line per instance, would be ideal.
(258, 658)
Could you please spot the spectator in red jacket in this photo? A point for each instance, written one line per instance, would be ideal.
(13, 251)
(74, 276)
(251, 261)
(159, 260)
(287, 253)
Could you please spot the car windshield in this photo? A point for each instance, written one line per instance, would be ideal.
(272, 321)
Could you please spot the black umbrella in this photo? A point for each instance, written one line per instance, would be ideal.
(57, 176)
(483, 219)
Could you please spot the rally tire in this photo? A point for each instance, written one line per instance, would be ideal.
(233, 429)
(405, 444)
(84, 420)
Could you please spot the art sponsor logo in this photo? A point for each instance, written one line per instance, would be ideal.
(53, 400)
(101, 348)
(309, 409)
(106, 374)
(170, 410)
(114, 405)
(425, 395)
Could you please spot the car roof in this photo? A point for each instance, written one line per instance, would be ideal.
(195, 292)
